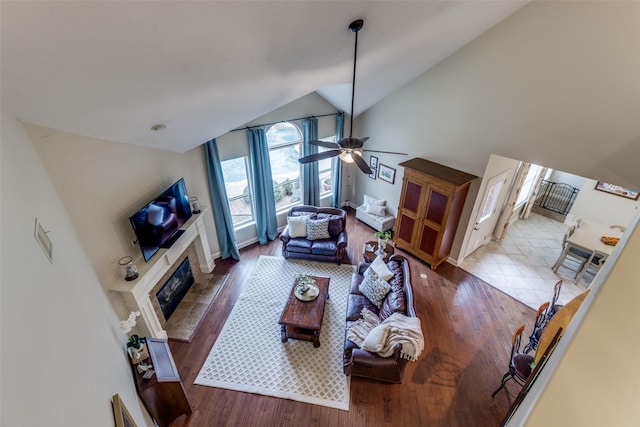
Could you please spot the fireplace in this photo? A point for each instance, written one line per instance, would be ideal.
(140, 294)
(175, 288)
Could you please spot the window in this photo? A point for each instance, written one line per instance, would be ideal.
(285, 148)
(325, 168)
(234, 172)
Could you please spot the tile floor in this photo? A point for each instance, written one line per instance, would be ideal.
(520, 265)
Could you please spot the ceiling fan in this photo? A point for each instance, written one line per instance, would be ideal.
(349, 149)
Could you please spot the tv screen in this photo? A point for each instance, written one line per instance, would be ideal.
(157, 224)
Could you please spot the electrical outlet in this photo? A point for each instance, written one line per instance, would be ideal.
(134, 242)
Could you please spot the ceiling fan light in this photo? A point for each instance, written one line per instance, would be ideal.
(345, 156)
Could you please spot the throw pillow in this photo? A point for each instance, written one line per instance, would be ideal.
(377, 338)
(335, 225)
(381, 268)
(373, 287)
(376, 210)
(368, 200)
(318, 229)
(297, 226)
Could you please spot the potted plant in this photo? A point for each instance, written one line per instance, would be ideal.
(383, 238)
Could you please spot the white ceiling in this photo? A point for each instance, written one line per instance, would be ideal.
(113, 69)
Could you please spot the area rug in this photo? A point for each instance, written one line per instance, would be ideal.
(185, 320)
(249, 356)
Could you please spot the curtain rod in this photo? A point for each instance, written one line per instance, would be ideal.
(282, 121)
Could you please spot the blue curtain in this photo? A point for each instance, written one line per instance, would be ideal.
(310, 177)
(336, 177)
(220, 202)
(262, 183)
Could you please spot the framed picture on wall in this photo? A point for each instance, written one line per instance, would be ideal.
(618, 191)
(373, 165)
(386, 173)
(122, 416)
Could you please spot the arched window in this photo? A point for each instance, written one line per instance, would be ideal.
(285, 148)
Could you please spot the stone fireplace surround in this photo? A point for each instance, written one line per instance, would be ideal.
(140, 294)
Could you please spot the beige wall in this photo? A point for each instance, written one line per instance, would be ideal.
(62, 351)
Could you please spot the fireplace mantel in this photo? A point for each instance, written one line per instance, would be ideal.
(137, 293)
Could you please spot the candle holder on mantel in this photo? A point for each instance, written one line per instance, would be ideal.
(129, 268)
(195, 205)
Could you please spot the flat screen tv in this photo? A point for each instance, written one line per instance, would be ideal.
(157, 224)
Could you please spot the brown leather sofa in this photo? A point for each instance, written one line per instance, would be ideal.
(331, 249)
(360, 362)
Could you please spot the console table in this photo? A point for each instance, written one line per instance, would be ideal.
(163, 394)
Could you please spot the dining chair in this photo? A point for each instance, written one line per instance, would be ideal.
(538, 327)
(519, 363)
(592, 266)
(553, 307)
(572, 255)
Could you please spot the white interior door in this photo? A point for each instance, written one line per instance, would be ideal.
(490, 207)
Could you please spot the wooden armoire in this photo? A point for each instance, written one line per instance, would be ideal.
(431, 203)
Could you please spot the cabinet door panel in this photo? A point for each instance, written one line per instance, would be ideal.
(437, 206)
(412, 196)
(428, 240)
(405, 230)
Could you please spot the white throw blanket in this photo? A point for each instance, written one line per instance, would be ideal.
(383, 337)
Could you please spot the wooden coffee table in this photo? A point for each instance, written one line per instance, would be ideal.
(302, 320)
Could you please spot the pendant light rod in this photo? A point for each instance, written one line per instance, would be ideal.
(354, 27)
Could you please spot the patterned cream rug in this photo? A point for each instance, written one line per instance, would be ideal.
(249, 356)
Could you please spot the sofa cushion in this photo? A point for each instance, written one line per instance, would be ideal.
(368, 200)
(355, 304)
(376, 210)
(381, 268)
(394, 302)
(318, 229)
(376, 339)
(374, 287)
(297, 226)
(324, 247)
(299, 245)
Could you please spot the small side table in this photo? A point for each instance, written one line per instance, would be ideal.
(369, 256)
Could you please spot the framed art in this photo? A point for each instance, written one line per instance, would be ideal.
(618, 191)
(386, 173)
(373, 165)
(122, 416)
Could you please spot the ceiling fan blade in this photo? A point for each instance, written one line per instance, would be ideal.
(351, 142)
(386, 152)
(318, 156)
(364, 167)
(326, 144)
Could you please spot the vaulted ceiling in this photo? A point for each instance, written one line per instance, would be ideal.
(114, 69)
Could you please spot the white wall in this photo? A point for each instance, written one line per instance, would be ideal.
(601, 207)
(552, 85)
(62, 351)
(102, 183)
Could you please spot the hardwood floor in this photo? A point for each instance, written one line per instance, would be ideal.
(467, 326)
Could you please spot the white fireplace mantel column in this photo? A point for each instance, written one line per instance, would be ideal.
(136, 293)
